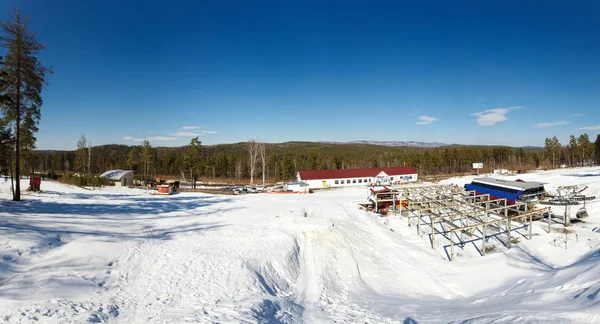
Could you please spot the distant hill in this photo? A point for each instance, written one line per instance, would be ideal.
(393, 143)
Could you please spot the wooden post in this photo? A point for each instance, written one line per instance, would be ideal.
(483, 241)
(432, 232)
(419, 223)
(451, 245)
(530, 219)
(462, 240)
(408, 214)
(508, 232)
(567, 216)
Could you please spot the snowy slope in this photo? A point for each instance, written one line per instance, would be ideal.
(70, 255)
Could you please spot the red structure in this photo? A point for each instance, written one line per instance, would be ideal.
(34, 183)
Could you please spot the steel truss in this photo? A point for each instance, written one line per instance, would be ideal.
(454, 213)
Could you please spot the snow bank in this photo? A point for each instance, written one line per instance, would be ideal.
(70, 255)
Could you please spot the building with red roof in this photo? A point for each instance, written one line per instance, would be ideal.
(356, 177)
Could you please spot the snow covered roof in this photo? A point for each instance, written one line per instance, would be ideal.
(518, 184)
(379, 189)
(115, 175)
(353, 173)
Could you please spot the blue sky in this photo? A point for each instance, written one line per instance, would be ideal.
(469, 72)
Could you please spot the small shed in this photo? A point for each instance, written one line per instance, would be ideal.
(119, 177)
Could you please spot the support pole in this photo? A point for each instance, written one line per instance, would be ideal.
(399, 206)
(507, 227)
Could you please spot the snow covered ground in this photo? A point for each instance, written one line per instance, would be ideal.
(71, 255)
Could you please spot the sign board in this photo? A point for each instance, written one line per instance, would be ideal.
(477, 165)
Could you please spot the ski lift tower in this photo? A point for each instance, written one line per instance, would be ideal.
(569, 196)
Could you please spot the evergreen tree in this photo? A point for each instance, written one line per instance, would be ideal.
(133, 158)
(584, 146)
(548, 148)
(597, 149)
(552, 147)
(28, 139)
(5, 134)
(147, 158)
(25, 78)
(5, 148)
(191, 159)
(520, 153)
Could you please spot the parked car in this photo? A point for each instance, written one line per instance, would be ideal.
(240, 190)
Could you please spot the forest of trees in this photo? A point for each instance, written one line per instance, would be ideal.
(284, 159)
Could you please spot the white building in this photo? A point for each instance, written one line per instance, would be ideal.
(119, 177)
(357, 177)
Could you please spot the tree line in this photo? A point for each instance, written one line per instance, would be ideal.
(281, 161)
(580, 151)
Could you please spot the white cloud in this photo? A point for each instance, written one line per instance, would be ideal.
(187, 134)
(131, 138)
(491, 117)
(576, 115)
(189, 127)
(562, 122)
(161, 138)
(193, 134)
(424, 120)
(590, 127)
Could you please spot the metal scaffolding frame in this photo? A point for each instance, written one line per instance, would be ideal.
(454, 212)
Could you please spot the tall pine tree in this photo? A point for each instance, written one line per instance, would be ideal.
(25, 78)
(5, 135)
(191, 159)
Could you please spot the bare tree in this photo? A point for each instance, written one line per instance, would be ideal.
(262, 148)
(253, 150)
(81, 154)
